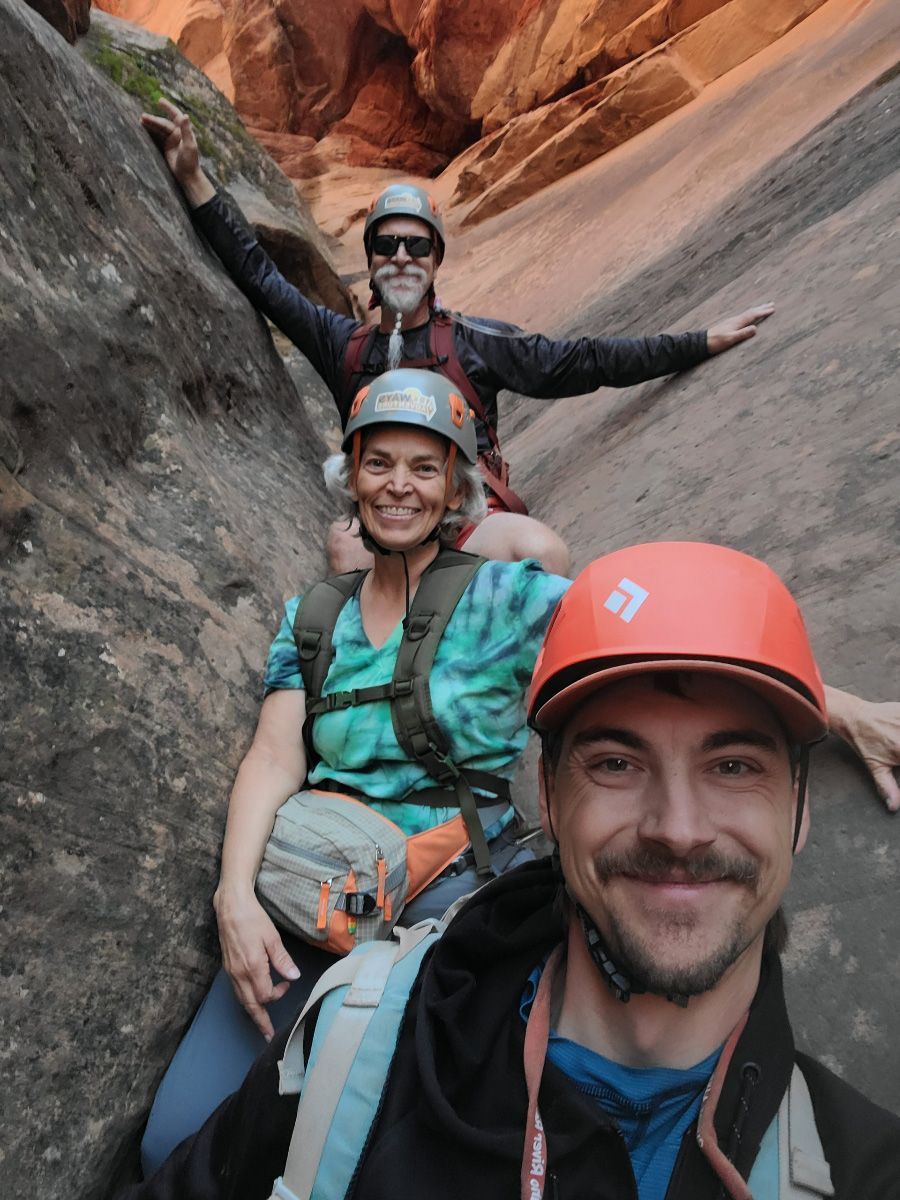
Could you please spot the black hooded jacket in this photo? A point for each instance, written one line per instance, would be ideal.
(531, 364)
(452, 1116)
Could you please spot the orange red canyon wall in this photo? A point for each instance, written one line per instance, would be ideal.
(525, 90)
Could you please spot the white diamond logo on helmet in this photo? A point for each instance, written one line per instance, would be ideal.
(406, 200)
(408, 400)
(626, 589)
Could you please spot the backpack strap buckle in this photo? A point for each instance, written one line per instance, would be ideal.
(308, 644)
(417, 626)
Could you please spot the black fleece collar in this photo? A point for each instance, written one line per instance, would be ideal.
(465, 1031)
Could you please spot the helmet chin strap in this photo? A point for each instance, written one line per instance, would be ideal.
(622, 986)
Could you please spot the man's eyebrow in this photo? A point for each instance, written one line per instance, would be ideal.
(726, 738)
(608, 733)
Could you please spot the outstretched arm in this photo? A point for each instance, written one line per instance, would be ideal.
(550, 368)
(873, 730)
(316, 331)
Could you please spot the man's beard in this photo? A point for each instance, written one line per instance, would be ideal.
(639, 958)
(405, 300)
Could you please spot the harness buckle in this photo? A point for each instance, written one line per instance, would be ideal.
(403, 687)
(452, 771)
(309, 644)
(418, 626)
(359, 904)
(340, 700)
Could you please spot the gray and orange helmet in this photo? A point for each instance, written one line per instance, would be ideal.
(404, 200)
(422, 399)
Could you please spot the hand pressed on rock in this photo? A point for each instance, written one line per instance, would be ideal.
(174, 135)
(873, 730)
(250, 944)
(734, 330)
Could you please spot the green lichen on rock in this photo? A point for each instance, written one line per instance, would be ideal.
(136, 72)
(150, 75)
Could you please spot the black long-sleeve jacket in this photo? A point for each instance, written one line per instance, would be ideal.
(530, 364)
(451, 1121)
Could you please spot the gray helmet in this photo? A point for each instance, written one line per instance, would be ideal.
(404, 200)
(413, 397)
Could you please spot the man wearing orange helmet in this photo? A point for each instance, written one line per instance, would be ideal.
(608, 1022)
(404, 243)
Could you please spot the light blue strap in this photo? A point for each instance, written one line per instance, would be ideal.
(362, 1091)
(791, 1163)
(280, 1191)
(362, 1005)
(764, 1181)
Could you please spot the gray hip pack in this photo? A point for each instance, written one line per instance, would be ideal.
(337, 873)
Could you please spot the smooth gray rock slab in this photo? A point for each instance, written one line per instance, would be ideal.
(159, 497)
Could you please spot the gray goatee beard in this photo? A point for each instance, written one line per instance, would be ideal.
(400, 300)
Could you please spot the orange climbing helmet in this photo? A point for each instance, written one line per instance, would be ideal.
(679, 606)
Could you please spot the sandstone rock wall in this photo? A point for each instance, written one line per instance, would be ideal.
(147, 66)
(159, 495)
(527, 90)
(71, 18)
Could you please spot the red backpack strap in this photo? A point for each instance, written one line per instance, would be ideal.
(356, 352)
(493, 468)
(443, 347)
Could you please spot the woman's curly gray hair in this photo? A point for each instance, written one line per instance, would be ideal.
(337, 469)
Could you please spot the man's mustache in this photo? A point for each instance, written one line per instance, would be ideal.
(391, 270)
(659, 866)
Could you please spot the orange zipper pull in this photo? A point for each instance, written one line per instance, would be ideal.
(322, 913)
(382, 876)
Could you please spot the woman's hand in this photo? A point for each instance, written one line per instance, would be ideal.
(174, 135)
(250, 943)
(873, 730)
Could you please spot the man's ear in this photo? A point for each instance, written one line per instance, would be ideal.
(804, 820)
(545, 797)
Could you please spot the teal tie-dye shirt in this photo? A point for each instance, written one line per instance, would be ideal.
(479, 683)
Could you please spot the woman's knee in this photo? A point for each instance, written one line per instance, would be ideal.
(510, 537)
(550, 550)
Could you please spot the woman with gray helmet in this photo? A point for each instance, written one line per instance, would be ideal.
(407, 470)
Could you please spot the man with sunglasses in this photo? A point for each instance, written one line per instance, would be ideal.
(404, 241)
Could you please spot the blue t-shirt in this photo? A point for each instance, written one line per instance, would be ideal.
(652, 1106)
(478, 682)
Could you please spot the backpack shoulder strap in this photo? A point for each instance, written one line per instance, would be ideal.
(440, 590)
(791, 1163)
(412, 715)
(356, 352)
(363, 998)
(803, 1167)
(314, 624)
(443, 347)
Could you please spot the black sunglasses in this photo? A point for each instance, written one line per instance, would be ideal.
(387, 244)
